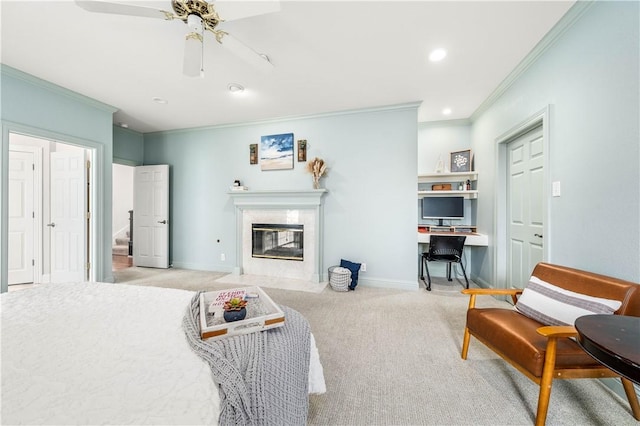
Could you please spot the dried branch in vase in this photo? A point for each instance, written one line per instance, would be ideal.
(318, 168)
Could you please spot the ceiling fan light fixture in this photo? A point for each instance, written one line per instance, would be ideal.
(195, 23)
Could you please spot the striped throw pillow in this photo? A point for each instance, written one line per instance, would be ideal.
(552, 305)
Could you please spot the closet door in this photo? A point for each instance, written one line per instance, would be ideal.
(525, 212)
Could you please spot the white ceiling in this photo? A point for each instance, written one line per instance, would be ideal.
(328, 56)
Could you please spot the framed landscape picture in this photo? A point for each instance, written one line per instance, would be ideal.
(461, 161)
(276, 152)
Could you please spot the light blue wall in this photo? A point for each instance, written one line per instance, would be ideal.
(590, 78)
(36, 107)
(370, 209)
(438, 139)
(128, 147)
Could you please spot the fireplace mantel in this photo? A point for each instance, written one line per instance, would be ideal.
(280, 200)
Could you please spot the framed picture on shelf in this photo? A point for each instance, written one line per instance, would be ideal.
(302, 150)
(276, 152)
(461, 161)
(253, 153)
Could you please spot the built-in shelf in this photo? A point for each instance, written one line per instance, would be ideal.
(454, 179)
(471, 194)
(459, 229)
(447, 177)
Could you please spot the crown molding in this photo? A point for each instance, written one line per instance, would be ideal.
(445, 123)
(397, 107)
(35, 81)
(566, 22)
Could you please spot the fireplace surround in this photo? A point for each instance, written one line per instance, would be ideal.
(287, 207)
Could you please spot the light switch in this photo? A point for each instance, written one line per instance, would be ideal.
(555, 189)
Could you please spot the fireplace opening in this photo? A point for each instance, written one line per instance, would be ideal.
(274, 241)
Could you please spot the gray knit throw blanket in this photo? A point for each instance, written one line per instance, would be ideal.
(263, 377)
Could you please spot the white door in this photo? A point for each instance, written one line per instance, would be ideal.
(21, 217)
(525, 206)
(68, 216)
(151, 216)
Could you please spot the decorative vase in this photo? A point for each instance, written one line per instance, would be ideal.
(316, 182)
(230, 316)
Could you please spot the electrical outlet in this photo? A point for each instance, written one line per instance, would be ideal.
(363, 267)
(223, 257)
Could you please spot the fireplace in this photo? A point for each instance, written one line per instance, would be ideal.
(295, 209)
(277, 241)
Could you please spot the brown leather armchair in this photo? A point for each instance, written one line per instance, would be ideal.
(544, 353)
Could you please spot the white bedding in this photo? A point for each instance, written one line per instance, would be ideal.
(103, 353)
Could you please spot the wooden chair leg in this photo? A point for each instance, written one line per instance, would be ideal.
(465, 343)
(632, 397)
(546, 381)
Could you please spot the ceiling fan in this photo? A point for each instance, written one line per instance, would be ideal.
(199, 15)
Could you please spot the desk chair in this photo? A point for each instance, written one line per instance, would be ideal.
(443, 248)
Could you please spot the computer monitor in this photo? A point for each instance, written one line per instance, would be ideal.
(443, 208)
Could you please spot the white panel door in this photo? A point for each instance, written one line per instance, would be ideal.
(21, 217)
(151, 216)
(525, 206)
(68, 216)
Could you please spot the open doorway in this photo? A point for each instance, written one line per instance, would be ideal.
(49, 222)
(122, 216)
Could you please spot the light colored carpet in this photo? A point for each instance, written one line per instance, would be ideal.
(272, 282)
(392, 357)
(206, 280)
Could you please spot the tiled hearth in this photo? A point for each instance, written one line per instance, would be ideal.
(280, 207)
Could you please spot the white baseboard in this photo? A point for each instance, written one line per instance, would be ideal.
(481, 283)
(203, 267)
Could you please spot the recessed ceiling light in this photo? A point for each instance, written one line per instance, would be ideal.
(235, 88)
(437, 55)
(160, 100)
(446, 111)
(123, 125)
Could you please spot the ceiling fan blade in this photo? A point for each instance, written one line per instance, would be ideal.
(122, 9)
(192, 65)
(246, 53)
(230, 10)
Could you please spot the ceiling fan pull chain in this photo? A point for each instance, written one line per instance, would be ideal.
(202, 53)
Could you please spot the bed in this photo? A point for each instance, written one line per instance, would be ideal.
(96, 353)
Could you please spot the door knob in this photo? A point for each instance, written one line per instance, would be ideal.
(52, 225)
(537, 235)
(162, 222)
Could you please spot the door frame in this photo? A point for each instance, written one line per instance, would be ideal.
(97, 236)
(500, 267)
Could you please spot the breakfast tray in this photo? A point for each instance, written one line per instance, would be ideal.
(262, 313)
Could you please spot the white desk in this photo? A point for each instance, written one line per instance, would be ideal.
(473, 239)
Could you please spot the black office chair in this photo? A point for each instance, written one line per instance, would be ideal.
(443, 248)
